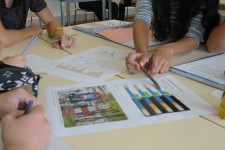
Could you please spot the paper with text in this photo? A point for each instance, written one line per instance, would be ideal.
(96, 64)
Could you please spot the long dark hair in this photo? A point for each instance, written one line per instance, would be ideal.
(187, 9)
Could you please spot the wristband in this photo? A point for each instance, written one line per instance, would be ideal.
(53, 31)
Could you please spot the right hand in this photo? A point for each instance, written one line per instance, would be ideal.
(25, 132)
(17, 60)
(35, 28)
(134, 59)
(15, 100)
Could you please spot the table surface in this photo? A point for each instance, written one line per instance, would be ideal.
(204, 132)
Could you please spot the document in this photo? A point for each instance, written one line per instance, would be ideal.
(37, 63)
(94, 107)
(96, 64)
(208, 70)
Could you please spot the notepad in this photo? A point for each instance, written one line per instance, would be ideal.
(208, 70)
(92, 28)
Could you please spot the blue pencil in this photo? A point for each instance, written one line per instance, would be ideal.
(28, 107)
(29, 45)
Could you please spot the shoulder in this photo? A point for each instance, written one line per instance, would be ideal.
(37, 5)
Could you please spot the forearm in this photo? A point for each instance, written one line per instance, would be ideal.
(181, 46)
(216, 41)
(10, 37)
(141, 36)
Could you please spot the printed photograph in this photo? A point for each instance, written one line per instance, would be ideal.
(88, 106)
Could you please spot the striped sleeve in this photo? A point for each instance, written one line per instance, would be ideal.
(144, 11)
(196, 29)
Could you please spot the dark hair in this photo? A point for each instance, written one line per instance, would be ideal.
(187, 9)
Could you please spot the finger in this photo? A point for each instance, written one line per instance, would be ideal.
(37, 110)
(63, 40)
(69, 42)
(144, 60)
(73, 43)
(12, 115)
(153, 66)
(165, 67)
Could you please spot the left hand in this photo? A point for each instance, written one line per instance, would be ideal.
(64, 43)
(160, 61)
(17, 60)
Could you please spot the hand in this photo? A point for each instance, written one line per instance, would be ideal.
(35, 28)
(134, 59)
(25, 132)
(17, 60)
(15, 100)
(64, 43)
(160, 61)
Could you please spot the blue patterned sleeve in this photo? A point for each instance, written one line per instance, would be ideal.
(144, 11)
(196, 30)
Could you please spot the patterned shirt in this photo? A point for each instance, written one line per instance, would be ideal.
(144, 12)
(16, 16)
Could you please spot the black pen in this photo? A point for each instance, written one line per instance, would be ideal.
(28, 107)
(150, 77)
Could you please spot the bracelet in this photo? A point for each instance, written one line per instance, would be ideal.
(55, 30)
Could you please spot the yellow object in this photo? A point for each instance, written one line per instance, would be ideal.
(222, 105)
(53, 31)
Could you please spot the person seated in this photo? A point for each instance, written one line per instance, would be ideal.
(13, 16)
(22, 132)
(216, 41)
(122, 5)
(96, 7)
(187, 23)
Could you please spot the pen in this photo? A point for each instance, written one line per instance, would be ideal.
(61, 39)
(29, 45)
(150, 77)
(28, 107)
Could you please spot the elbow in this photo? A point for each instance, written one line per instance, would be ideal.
(214, 47)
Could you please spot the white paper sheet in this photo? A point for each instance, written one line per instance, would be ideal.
(97, 64)
(36, 63)
(94, 107)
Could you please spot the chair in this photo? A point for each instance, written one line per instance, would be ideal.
(221, 6)
(133, 5)
(31, 15)
(78, 9)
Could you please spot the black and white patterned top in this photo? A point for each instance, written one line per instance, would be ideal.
(16, 16)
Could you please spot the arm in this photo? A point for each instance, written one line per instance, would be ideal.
(141, 36)
(216, 41)
(160, 61)
(25, 132)
(15, 100)
(18, 35)
(52, 24)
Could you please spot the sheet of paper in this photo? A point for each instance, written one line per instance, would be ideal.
(97, 64)
(37, 63)
(211, 68)
(94, 107)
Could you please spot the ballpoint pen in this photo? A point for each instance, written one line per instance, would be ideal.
(28, 107)
(150, 77)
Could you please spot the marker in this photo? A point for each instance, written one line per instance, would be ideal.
(149, 76)
(29, 45)
(61, 39)
(28, 107)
